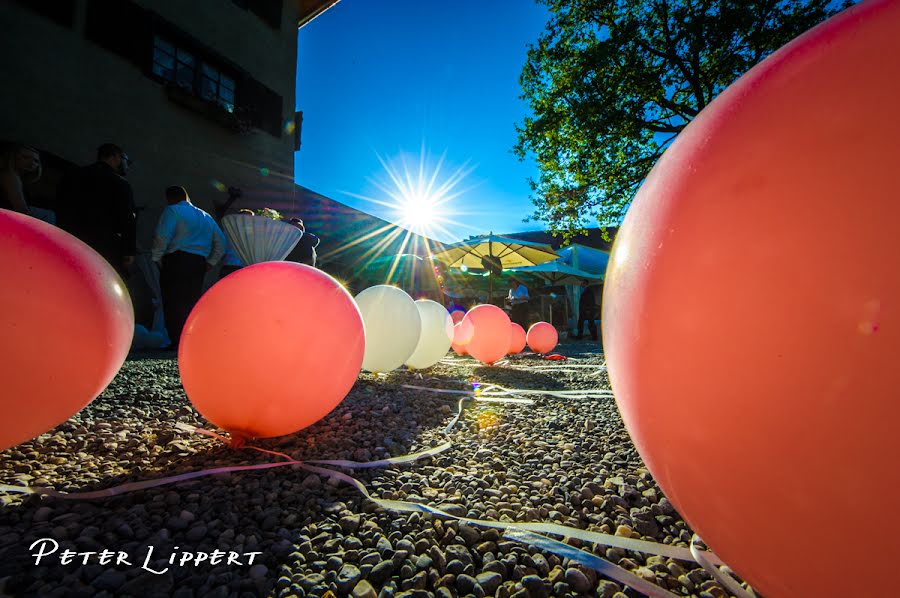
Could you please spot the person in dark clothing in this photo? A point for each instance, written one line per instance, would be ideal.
(18, 164)
(305, 250)
(96, 204)
(587, 311)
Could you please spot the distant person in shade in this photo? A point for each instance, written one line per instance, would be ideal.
(96, 204)
(518, 301)
(188, 243)
(19, 164)
(305, 250)
(587, 311)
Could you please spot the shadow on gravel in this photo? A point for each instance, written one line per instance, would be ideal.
(516, 378)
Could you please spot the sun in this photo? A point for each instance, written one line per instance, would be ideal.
(418, 211)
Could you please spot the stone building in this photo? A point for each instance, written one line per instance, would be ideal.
(200, 93)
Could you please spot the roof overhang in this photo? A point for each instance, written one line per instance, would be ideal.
(310, 9)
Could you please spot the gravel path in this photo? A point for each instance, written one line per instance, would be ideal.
(563, 461)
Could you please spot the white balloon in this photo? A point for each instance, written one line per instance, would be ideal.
(437, 333)
(392, 323)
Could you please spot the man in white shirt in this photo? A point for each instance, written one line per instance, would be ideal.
(187, 244)
(518, 300)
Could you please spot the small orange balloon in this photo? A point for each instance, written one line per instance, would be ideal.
(457, 316)
(66, 323)
(271, 349)
(492, 331)
(459, 349)
(517, 339)
(542, 337)
(755, 364)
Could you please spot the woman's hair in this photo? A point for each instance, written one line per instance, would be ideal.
(8, 154)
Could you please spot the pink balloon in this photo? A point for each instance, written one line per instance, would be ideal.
(271, 349)
(462, 334)
(492, 333)
(517, 339)
(66, 323)
(542, 337)
(457, 316)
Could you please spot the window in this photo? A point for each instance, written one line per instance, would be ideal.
(217, 87)
(172, 63)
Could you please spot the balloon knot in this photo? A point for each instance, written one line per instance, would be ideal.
(237, 441)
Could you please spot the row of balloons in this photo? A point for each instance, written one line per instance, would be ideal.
(267, 351)
(419, 333)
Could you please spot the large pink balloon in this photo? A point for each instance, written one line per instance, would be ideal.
(755, 361)
(542, 337)
(492, 332)
(517, 339)
(66, 323)
(271, 349)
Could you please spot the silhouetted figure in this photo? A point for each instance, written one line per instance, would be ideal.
(587, 311)
(19, 164)
(96, 204)
(518, 301)
(187, 244)
(305, 250)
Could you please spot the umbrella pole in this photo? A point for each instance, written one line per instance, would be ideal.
(490, 287)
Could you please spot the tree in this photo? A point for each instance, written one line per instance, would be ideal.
(611, 83)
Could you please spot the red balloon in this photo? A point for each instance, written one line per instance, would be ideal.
(755, 364)
(271, 349)
(542, 337)
(457, 316)
(516, 339)
(492, 332)
(66, 323)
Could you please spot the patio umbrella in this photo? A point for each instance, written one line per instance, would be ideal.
(558, 273)
(494, 253)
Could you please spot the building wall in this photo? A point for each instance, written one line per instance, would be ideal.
(66, 95)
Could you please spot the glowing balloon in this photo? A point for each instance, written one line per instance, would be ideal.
(392, 325)
(271, 349)
(66, 323)
(437, 332)
(516, 339)
(542, 337)
(457, 316)
(756, 368)
(462, 334)
(492, 333)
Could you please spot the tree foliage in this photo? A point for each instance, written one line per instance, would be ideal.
(610, 84)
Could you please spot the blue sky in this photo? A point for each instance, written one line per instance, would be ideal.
(385, 83)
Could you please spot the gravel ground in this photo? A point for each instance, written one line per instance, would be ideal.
(564, 461)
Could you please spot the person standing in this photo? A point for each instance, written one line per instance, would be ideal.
(19, 164)
(518, 301)
(304, 252)
(587, 310)
(187, 244)
(96, 204)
